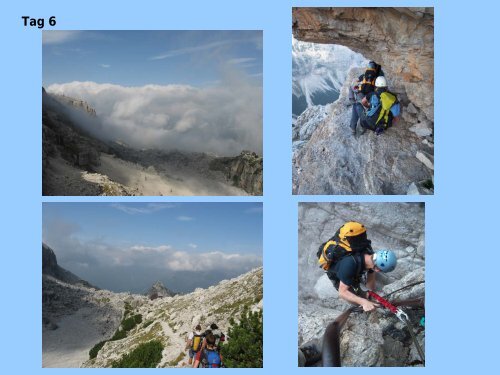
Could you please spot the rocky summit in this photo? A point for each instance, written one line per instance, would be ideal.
(158, 290)
(327, 159)
(76, 318)
(367, 339)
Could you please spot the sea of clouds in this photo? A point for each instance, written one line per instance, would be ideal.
(223, 119)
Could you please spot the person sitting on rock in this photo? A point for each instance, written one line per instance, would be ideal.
(348, 258)
(365, 82)
(194, 342)
(377, 111)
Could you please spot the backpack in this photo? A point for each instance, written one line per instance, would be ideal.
(331, 251)
(368, 83)
(212, 358)
(387, 100)
(219, 336)
(196, 342)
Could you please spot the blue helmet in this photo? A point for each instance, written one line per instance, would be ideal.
(385, 260)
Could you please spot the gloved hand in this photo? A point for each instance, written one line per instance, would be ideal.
(379, 130)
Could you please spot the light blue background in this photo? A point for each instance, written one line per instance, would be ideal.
(461, 226)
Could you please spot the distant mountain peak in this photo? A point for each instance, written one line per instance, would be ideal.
(158, 290)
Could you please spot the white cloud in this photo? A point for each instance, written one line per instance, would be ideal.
(97, 254)
(254, 210)
(59, 36)
(134, 209)
(193, 245)
(223, 119)
(194, 49)
(241, 60)
(105, 66)
(185, 218)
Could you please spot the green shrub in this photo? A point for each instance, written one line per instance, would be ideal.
(147, 324)
(93, 352)
(244, 348)
(131, 322)
(119, 334)
(146, 355)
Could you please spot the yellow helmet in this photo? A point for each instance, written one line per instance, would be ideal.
(351, 229)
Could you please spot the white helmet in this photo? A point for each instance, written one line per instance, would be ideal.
(380, 82)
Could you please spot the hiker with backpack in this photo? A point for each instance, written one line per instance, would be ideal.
(365, 82)
(219, 336)
(378, 109)
(194, 342)
(209, 355)
(348, 258)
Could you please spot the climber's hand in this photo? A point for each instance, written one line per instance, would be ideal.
(369, 306)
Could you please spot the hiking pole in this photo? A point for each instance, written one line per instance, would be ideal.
(402, 316)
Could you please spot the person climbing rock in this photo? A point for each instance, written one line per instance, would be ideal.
(194, 342)
(348, 259)
(365, 83)
(377, 110)
(208, 356)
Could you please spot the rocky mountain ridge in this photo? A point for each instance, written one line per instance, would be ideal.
(76, 161)
(77, 317)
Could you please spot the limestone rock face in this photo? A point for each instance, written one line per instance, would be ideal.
(377, 338)
(401, 39)
(51, 268)
(244, 171)
(328, 159)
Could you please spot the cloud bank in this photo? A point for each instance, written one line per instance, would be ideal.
(136, 267)
(223, 120)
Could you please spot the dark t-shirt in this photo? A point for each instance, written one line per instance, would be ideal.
(348, 270)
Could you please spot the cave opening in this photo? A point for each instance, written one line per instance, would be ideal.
(319, 72)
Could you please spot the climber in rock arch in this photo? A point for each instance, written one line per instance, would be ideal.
(348, 259)
(377, 111)
(365, 82)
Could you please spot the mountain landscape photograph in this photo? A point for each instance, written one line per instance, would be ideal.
(155, 113)
(125, 284)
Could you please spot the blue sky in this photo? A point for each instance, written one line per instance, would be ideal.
(137, 58)
(195, 91)
(128, 246)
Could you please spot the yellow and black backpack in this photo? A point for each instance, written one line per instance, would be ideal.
(349, 239)
(387, 100)
(196, 342)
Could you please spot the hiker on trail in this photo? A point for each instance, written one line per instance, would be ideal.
(377, 110)
(209, 356)
(365, 82)
(194, 342)
(348, 258)
(219, 336)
